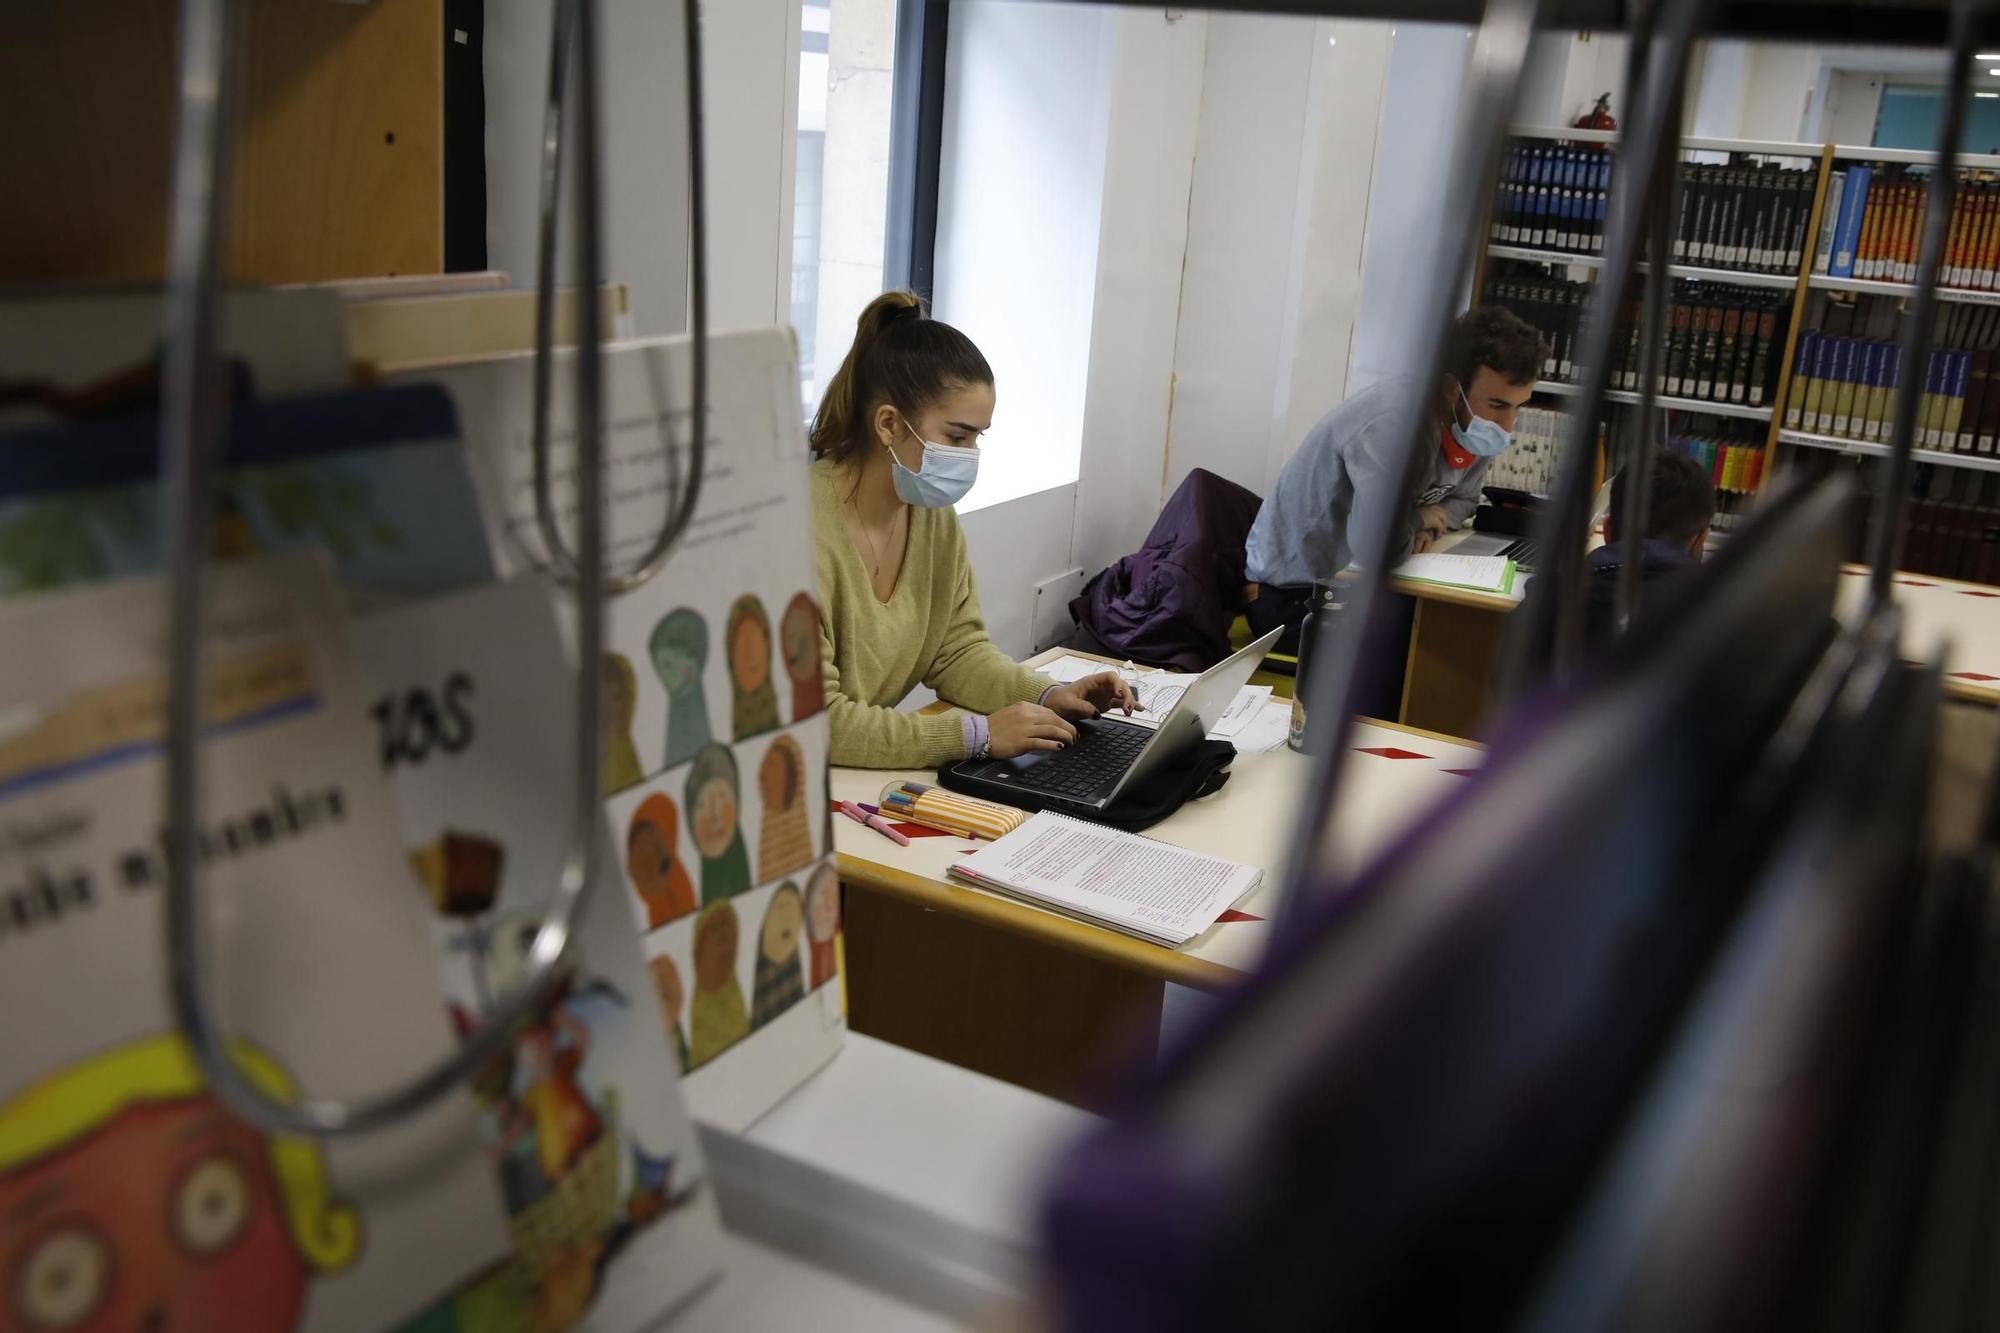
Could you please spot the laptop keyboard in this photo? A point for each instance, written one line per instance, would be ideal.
(1097, 760)
(1521, 553)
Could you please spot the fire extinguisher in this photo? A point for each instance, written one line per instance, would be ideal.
(1598, 117)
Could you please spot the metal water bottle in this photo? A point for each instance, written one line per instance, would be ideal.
(1319, 620)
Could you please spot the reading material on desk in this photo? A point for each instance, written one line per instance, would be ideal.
(1482, 573)
(1118, 880)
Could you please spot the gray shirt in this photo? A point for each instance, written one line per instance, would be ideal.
(1338, 489)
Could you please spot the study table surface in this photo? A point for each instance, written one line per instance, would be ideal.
(1455, 641)
(1396, 773)
(1009, 989)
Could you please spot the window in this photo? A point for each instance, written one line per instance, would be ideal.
(1024, 125)
(856, 151)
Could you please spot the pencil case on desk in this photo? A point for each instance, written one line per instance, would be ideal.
(934, 807)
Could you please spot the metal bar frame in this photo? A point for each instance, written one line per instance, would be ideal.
(191, 433)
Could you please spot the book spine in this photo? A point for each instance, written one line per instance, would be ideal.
(1988, 260)
(1879, 389)
(1986, 437)
(1676, 359)
(1755, 229)
(1501, 231)
(1954, 400)
(1975, 236)
(1761, 357)
(1829, 222)
(1867, 246)
(1847, 234)
(1737, 220)
(1711, 346)
(1956, 269)
(1685, 217)
(1909, 224)
(1701, 246)
(1600, 202)
(1725, 378)
(1795, 400)
(1795, 252)
(1843, 386)
(1816, 418)
(1927, 408)
(1976, 380)
(1784, 227)
(1870, 366)
(1892, 368)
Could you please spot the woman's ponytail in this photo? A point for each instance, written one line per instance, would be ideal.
(899, 356)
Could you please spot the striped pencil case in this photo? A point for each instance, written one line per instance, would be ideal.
(934, 807)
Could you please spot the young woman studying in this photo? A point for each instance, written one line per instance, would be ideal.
(895, 445)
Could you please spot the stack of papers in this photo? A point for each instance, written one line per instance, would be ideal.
(1118, 880)
(1482, 573)
(1159, 691)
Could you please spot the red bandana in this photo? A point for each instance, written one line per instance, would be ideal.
(1459, 458)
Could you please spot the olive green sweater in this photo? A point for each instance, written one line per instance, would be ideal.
(929, 632)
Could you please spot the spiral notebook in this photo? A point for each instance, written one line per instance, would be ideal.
(1121, 881)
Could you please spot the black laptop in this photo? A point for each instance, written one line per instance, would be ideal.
(1112, 755)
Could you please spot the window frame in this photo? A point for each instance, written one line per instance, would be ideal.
(916, 145)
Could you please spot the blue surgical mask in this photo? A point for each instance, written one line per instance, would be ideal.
(946, 474)
(1479, 436)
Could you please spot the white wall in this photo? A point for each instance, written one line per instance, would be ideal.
(1152, 118)
(1324, 286)
(859, 68)
(1286, 172)
(644, 150)
(1027, 93)
(1413, 154)
(750, 107)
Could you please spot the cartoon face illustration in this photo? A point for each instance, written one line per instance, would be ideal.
(801, 638)
(680, 648)
(782, 921)
(781, 775)
(823, 905)
(653, 862)
(131, 1199)
(712, 799)
(749, 644)
(715, 948)
(621, 692)
(667, 983)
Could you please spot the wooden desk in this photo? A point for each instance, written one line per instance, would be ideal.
(1030, 996)
(1455, 642)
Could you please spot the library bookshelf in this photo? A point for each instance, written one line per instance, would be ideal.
(1815, 302)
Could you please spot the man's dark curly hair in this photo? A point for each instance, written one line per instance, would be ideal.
(1493, 336)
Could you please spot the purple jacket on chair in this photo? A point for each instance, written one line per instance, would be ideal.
(1171, 602)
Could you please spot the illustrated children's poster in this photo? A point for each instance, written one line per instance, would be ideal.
(597, 1160)
(129, 1197)
(719, 707)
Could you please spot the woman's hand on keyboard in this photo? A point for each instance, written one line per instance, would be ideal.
(1020, 729)
(1093, 695)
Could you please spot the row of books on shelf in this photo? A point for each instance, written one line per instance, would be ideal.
(1734, 460)
(1553, 197)
(1733, 455)
(1846, 387)
(1723, 342)
(1953, 540)
(1744, 216)
(1532, 461)
(1874, 224)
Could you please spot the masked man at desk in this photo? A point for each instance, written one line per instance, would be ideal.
(1344, 479)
